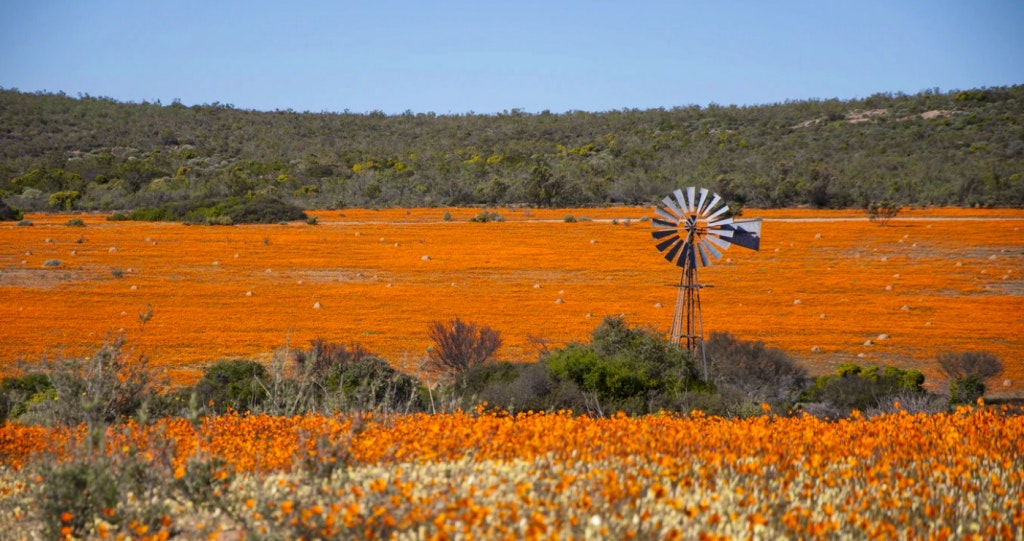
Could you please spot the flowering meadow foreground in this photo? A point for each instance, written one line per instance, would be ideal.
(957, 475)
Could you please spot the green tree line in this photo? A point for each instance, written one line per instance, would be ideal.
(59, 152)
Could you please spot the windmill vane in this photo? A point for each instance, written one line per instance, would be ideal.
(691, 229)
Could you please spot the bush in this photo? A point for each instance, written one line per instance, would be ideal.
(880, 213)
(265, 210)
(967, 373)
(107, 387)
(966, 390)
(236, 384)
(9, 213)
(864, 388)
(75, 222)
(486, 216)
(625, 369)
(25, 223)
(980, 364)
(459, 345)
(752, 372)
(118, 217)
(17, 394)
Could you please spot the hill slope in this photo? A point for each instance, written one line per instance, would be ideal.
(956, 148)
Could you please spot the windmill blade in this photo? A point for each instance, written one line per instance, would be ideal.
(678, 193)
(662, 233)
(706, 244)
(662, 223)
(661, 212)
(691, 197)
(705, 261)
(672, 206)
(719, 212)
(723, 244)
(671, 254)
(703, 199)
(663, 245)
(720, 223)
(711, 206)
(746, 233)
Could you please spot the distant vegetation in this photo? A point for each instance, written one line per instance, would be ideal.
(933, 148)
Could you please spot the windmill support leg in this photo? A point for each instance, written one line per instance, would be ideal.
(687, 322)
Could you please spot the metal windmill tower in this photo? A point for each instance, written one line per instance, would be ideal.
(690, 230)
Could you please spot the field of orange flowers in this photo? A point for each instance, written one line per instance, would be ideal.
(956, 475)
(823, 285)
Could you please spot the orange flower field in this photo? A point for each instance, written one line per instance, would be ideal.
(953, 475)
(823, 284)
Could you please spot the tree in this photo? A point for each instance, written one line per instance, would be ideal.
(64, 199)
(459, 346)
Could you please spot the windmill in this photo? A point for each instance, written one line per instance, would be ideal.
(691, 229)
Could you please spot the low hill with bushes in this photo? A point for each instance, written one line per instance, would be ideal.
(963, 147)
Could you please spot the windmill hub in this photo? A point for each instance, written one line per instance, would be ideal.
(691, 229)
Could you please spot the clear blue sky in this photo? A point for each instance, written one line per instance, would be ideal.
(452, 57)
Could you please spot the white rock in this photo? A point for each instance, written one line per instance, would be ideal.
(558, 301)
(883, 336)
(133, 288)
(816, 349)
(927, 323)
(868, 343)
(112, 249)
(657, 305)
(897, 275)
(796, 302)
(536, 286)
(1007, 383)
(888, 288)
(823, 316)
(959, 264)
(905, 308)
(593, 241)
(885, 259)
(818, 236)
(248, 293)
(861, 355)
(216, 263)
(425, 258)
(316, 305)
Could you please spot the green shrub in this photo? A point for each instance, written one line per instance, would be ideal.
(265, 210)
(486, 216)
(25, 223)
(118, 217)
(236, 384)
(966, 390)
(863, 388)
(75, 222)
(17, 394)
(9, 213)
(83, 488)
